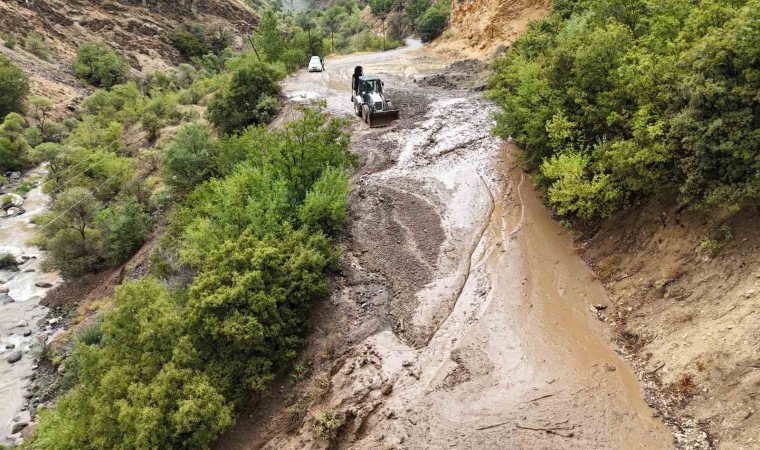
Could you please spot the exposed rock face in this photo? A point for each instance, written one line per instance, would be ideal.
(487, 24)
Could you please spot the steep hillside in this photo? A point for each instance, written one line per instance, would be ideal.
(686, 294)
(142, 35)
(480, 27)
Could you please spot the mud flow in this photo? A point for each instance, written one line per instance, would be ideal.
(462, 310)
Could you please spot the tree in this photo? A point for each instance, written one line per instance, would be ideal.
(14, 148)
(67, 232)
(433, 21)
(41, 107)
(100, 65)
(14, 86)
(188, 158)
(248, 99)
(269, 38)
(123, 227)
(415, 9)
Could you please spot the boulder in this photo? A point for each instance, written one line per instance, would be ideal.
(11, 200)
(17, 427)
(14, 357)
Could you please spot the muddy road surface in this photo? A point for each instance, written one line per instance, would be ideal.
(461, 317)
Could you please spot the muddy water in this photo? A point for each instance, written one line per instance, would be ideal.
(21, 317)
(493, 341)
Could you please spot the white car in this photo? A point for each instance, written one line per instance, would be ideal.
(315, 64)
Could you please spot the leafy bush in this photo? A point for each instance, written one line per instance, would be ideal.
(100, 65)
(123, 229)
(9, 40)
(14, 86)
(433, 21)
(171, 366)
(248, 99)
(35, 44)
(188, 158)
(637, 99)
(189, 44)
(68, 234)
(328, 423)
(161, 110)
(14, 148)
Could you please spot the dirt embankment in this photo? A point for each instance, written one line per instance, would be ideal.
(481, 28)
(142, 35)
(685, 294)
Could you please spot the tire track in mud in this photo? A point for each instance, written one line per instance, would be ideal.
(462, 345)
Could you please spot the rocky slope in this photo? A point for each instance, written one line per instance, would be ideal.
(141, 34)
(478, 28)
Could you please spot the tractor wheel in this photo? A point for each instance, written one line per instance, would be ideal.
(365, 113)
(357, 109)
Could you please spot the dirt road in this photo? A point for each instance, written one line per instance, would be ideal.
(461, 318)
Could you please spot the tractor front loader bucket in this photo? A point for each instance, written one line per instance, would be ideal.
(382, 119)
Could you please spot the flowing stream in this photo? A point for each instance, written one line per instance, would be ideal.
(22, 318)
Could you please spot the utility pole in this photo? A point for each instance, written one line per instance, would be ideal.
(382, 21)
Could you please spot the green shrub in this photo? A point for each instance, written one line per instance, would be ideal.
(160, 111)
(14, 87)
(33, 136)
(100, 65)
(433, 21)
(190, 45)
(294, 59)
(324, 207)
(14, 148)
(171, 365)
(328, 423)
(35, 44)
(9, 40)
(68, 233)
(188, 158)
(639, 100)
(248, 99)
(123, 229)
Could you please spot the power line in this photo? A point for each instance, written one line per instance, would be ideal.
(74, 177)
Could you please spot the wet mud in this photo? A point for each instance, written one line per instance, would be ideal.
(463, 307)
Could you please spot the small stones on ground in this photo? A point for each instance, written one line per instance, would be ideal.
(27, 332)
(22, 324)
(609, 367)
(43, 284)
(4, 289)
(14, 357)
(600, 307)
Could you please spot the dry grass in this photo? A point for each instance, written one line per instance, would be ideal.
(608, 266)
(684, 385)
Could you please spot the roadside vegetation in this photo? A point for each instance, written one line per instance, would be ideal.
(247, 214)
(426, 18)
(615, 100)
